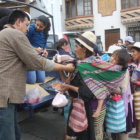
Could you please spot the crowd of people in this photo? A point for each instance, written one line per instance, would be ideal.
(109, 90)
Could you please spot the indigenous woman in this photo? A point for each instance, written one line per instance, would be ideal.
(135, 52)
(92, 80)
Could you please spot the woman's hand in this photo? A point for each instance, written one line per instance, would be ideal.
(64, 87)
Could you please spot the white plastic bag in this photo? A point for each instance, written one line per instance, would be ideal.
(34, 95)
(59, 100)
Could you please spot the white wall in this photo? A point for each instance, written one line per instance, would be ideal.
(107, 22)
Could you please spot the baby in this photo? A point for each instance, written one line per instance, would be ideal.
(119, 57)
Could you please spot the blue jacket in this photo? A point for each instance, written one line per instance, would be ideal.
(37, 39)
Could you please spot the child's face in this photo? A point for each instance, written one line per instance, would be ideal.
(114, 59)
(39, 26)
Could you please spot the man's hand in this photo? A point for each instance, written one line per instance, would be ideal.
(39, 50)
(70, 67)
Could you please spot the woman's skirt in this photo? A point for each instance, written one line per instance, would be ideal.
(137, 104)
(98, 124)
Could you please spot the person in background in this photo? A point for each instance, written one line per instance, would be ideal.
(37, 35)
(128, 42)
(4, 16)
(135, 79)
(16, 55)
(61, 46)
(120, 43)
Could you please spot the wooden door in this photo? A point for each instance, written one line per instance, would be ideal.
(111, 37)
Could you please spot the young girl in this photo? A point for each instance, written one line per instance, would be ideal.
(37, 35)
(121, 57)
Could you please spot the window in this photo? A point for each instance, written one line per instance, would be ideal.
(73, 8)
(80, 8)
(130, 3)
(67, 9)
(87, 7)
(76, 8)
(135, 33)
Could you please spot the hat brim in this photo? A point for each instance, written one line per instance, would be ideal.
(85, 45)
(130, 41)
(132, 46)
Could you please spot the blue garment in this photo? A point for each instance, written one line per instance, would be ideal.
(37, 39)
(62, 52)
(35, 76)
(9, 129)
(115, 120)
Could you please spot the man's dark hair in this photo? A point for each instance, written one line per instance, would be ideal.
(123, 57)
(17, 14)
(4, 16)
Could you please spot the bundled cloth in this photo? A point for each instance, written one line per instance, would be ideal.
(102, 78)
(63, 59)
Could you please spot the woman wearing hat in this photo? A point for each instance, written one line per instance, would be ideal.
(91, 81)
(135, 53)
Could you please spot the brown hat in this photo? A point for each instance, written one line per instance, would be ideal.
(87, 39)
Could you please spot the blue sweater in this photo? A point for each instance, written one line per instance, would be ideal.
(37, 39)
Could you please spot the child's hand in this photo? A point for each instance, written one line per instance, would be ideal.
(96, 114)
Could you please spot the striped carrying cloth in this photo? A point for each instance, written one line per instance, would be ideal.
(101, 77)
(115, 120)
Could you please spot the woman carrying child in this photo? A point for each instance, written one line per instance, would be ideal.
(92, 81)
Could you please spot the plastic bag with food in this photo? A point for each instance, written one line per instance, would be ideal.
(59, 100)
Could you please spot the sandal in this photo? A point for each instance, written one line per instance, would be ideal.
(134, 135)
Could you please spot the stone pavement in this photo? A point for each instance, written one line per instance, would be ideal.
(45, 125)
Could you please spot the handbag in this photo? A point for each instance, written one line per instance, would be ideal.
(78, 119)
(115, 120)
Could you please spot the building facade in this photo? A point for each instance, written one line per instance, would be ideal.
(109, 19)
